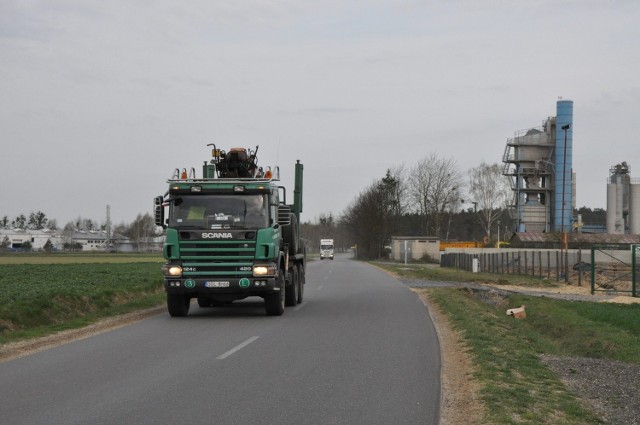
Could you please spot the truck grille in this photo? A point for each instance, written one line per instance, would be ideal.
(229, 258)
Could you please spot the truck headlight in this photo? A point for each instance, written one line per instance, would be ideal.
(265, 270)
(172, 270)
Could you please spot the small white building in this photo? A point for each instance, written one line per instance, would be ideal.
(415, 248)
(90, 240)
(80, 240)
(37, 238)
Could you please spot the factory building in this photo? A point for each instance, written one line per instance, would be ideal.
(539, 163)
(623, 201)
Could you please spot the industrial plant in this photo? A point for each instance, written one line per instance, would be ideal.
(539, 163)
(623, 201)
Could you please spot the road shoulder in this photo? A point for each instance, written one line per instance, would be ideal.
(460, 403)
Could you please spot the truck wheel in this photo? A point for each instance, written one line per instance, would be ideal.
(274, 303)
(178, 305)
(301, 281)
(291, 294)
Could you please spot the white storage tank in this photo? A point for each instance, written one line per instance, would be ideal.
(634, 209)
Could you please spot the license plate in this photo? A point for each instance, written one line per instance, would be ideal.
(216, 284)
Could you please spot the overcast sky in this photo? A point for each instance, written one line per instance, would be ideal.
(101, 100)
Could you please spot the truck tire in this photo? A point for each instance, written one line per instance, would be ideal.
(301, 281)
(274, 303)
(291, 294)
(178, 305)
(290, 234)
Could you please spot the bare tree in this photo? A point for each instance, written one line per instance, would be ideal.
(85, 224)
(375, 215)
(361, 218)
(5, 244)
(120, 229)
(19, 222)
(37, 220)
(52, 224)
(491, 190)
(435, 185)
(68, 232)
(396, 189)
(142, 230)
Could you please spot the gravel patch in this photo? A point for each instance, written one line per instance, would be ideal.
(610, 388)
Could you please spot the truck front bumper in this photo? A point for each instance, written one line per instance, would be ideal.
(248, 286)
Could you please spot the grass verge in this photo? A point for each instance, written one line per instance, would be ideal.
(442, 274)
(516, 387)
(39, 299)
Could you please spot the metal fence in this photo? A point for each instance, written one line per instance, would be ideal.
(615, 270)
(607, 270)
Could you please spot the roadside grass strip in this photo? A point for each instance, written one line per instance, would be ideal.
(516, 387)
(38, 299)
(584, 329)
(435, 273)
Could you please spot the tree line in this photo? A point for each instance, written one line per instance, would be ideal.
(142, 229)
(432, 198)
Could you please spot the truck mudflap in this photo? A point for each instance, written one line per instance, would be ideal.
(211, 286)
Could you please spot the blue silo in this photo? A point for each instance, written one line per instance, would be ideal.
(563, 166)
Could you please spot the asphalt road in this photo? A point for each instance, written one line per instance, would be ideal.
(360, 349)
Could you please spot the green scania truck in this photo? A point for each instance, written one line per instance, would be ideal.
(231, 235)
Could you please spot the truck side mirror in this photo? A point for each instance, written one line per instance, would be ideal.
(158, 210)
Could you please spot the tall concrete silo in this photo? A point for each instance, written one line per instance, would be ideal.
(623, 201)
(563, 160)
(634, 208)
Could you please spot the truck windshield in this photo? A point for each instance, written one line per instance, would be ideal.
(220, 212)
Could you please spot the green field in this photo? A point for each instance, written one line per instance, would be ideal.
(40, 294)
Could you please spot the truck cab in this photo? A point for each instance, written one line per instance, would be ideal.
(326, 249)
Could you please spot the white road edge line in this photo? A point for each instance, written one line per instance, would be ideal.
(237, 348)
(299, 306)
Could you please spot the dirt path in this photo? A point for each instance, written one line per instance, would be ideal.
(459, 403)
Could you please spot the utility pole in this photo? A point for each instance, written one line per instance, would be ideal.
(565, 236)
(475, 218)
